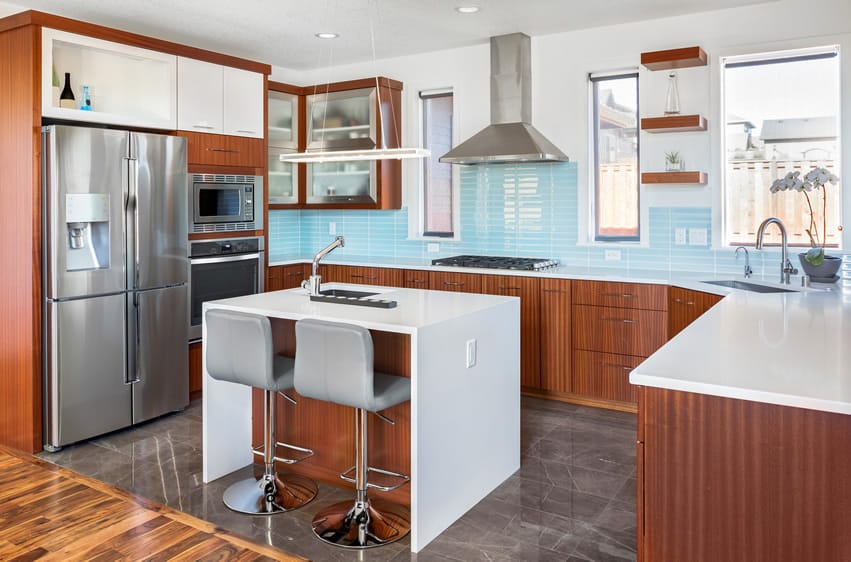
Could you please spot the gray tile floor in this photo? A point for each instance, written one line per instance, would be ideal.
(572, 499)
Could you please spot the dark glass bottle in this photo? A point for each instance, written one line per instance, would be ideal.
(66, 98)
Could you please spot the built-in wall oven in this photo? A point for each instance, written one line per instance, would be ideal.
(222, 269)
(226, 203)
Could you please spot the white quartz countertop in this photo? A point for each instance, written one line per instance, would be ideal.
(791, 349)
(416, 308)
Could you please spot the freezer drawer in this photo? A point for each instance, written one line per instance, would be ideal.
(85, 369)
(162, 356)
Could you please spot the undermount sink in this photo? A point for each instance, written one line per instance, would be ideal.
(346, 293)
(745, 286)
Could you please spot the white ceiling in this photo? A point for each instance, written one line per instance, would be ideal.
(281, 32)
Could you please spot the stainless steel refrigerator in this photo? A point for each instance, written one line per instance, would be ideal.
(115, 280)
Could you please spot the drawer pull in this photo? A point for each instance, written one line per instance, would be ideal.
(453, 284)
(624, 320)
(365, 277)
(295, 273)
(416, 280)
(505, 288)
(246, 131)
(223, 150)
(616, 366)
(205, 127)
(622, 295)
(687, 303)
(559, 291)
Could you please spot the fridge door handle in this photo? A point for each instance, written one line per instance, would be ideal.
(132, 186)
(131, 376)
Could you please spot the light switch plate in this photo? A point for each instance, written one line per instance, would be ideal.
(612, 255)
(432, 248)
(680, 236)
(332, 228)
(697, 237)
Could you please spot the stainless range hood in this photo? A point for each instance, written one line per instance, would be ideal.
(510, 137)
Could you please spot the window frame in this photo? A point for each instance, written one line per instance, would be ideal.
(421, 232)
(594, 79)
(773, 53)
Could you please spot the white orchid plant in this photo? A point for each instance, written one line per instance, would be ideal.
(817, 178)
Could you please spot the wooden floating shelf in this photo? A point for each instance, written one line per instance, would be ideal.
(674, 124)
(674, 177)
(674, 58)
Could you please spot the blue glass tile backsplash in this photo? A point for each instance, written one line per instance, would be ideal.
(527, 210)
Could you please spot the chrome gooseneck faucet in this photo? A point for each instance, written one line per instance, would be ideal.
(312, 284)
(786, 268)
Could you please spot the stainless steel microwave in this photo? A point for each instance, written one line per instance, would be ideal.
(226, 203)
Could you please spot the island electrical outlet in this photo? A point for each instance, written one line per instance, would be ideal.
(471, 353)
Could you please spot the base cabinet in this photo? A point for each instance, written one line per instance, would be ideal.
(196, 370)
(286, 276)
(685, 306)
(555, 335)
(741, 481)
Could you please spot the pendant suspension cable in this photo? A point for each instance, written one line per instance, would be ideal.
(375, 72)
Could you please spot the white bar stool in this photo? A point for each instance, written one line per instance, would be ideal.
(334, 362)
(239, 350)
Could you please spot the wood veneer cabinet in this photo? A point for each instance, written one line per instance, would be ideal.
(685, 306)
(528, 289)
(614, 327)
(740, 481)
(415, 279)
(286, 276)
(196, 370)
(457, 282)
(555, 335)
(224, 150)
(362, 275)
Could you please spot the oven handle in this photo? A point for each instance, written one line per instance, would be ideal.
(238, 257)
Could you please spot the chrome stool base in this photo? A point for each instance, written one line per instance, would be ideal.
(360, 525)
(265, 496)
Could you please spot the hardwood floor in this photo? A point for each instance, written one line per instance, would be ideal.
(51, 513)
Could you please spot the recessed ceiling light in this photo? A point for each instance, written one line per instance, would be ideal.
(326, 35)
(467, 9)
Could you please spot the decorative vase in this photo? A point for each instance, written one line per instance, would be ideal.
(825, 272)
(672, 100)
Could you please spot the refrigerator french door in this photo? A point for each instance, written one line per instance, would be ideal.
(115, 280)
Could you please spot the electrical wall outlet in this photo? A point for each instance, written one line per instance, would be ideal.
(432, 247)
(612, 255)
(471, 353)
(679, 236)
(332, 228)
(697, 237)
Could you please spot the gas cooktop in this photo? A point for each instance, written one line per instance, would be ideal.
(497, 262)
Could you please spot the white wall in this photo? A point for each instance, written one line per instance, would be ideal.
(561, 64)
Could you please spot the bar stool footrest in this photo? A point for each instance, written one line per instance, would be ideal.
(259, 451)
(404, 477)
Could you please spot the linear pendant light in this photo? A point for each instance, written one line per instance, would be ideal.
(368, 154)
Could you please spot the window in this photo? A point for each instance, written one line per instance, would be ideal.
(781, 116)
(615, 165)
(437, 211)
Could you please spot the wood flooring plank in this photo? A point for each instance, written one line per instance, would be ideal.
(49, 513)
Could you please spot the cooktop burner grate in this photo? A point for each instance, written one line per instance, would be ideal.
(497, 262)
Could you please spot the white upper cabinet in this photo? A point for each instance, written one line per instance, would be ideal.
(219, 99)
(243, 103)
(199, 96)
(127, 85)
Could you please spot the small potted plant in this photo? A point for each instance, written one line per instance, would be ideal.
(673, 162)
(815, 262)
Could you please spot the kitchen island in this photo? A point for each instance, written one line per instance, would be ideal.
(464, 436)
(744, 433)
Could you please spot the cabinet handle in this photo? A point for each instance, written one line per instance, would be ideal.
(624, 320)
(505, 288)
(416, 281)
(616, 366)
(687, 303)
(205, 127)
(246, 131)
(452, 284)
(559, 291)
(623, 295)
(295, 273)
(366, 277)
(223, 150)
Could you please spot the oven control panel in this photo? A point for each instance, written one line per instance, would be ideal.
(206, 248)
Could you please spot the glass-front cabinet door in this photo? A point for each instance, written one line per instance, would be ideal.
(342, 120)
(283, 179)
(283, 120)
(341, 182)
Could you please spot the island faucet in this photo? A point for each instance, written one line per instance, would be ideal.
(313, 282)
(786, 268)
